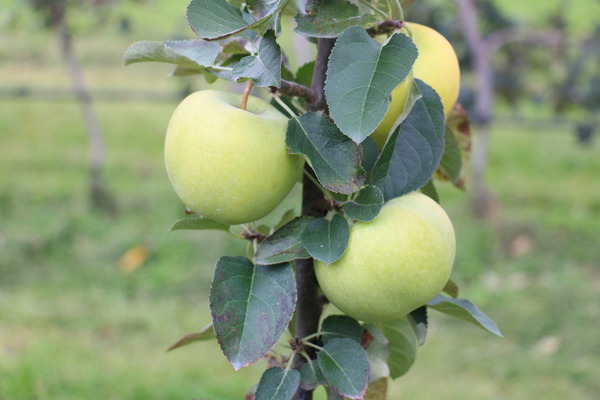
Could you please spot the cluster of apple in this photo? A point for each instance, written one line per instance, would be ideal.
(232, 166)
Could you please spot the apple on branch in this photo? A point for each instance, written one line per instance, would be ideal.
(436, 65)
(228, 164)
(393, 264)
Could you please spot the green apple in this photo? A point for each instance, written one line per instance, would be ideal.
(228, 164)
(393, 264)
(436, 65)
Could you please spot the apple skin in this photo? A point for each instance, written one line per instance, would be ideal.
(436, 65)
(393, 264)
(227, 164)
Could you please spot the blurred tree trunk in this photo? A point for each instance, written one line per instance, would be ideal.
(99, 195)
(482, 49)
(482, 200)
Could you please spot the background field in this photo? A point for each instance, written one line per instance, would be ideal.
(74, 325)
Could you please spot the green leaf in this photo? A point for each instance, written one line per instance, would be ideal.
(451, 288)
(413, 152)
(264, 68)
(430, 191)
(278, 384)
(377, 390)
(361, 75)
(392, 8)
(329, 19)
(326, 240)
(418, 321)
(188, 53)
(378, 353)
(285, 244)
(403, 346)
(217, 19)
(345, 366)
(304, 74)
(366, 205)
(465, 310)
(370, 154)
(286, 217)
(311, 376)
(451, 162)
(335, 326)
(206, 333)
(251, 307)
(334, 158)
(198, 222)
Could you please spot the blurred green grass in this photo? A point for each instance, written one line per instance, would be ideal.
(74, 325)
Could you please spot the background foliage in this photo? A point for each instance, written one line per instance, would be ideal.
(80, 320)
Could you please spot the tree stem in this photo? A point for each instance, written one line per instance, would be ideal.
(309, 305)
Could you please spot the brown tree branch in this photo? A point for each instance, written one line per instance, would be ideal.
(308, 305)
(293, 89)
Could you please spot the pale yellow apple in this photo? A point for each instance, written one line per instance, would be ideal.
(393, 264)
(436, 65)
(227, 164)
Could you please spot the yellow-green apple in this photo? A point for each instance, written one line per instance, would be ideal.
(393, 264)
(228, 164)
(436, 65)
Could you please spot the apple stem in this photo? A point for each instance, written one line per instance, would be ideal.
(246, 93)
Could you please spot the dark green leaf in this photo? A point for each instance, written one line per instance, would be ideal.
(206, 333)
(335, 326)
(334, 158)
(361, 75)
(403, 346)
(331, 18)
(304, 74)
(451, 162)
(378, 353)
(198, 222)
(218, 19)
(419, 323)
(278, 384)
(326, 240)
(465, 310)
(345, 366)
(430, 191)
(264, 68)
(413, 152)
(251, 307)
(188, 53)
(311, 376)
(366, 205)
(285, 244)
(370, 154)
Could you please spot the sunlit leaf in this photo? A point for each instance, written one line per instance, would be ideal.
(189, 53)
(465, 310)
(403, 346)
(206, 333)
